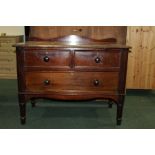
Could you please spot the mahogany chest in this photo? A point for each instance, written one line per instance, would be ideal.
(70, 71)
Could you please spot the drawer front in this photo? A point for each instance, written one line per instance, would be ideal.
(54, 59)
(78, 81)
(97, 59)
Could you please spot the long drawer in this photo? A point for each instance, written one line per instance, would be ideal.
(84, 81)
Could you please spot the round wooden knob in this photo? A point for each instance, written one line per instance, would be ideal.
(46, 58)
(46, 82)
(96, 82)
(97, 60)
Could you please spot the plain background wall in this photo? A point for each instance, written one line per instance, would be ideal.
(12, 30)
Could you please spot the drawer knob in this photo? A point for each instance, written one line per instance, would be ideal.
(97, 60)
(46, 82)
(96, 82)
(46, 59)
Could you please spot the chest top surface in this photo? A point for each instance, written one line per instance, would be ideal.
(73, 41)
(64, 45)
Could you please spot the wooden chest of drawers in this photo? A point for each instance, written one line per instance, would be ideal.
(8, 56)
(71, 72)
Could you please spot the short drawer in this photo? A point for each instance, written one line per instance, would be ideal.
(56, 59)
(78, 81)
(97, 59)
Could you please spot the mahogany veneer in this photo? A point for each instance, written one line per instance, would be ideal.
(65, 71)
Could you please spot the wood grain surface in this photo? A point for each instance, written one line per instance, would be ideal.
(141, 62)
(94, 32)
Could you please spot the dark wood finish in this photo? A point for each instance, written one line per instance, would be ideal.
(33, 102)
(79, 39)
(58, 45)
(27, 32)
(60, 70)
(110, 103)
(22, 106)
(71, 81)
(21, 84)
(93, 32)
(47, 58)
(97, 59)
(120, 104)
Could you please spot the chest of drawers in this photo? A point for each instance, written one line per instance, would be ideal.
(71, 72)
(8, 56)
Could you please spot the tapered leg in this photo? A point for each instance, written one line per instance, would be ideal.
(120, 109)
(33, 103)
(22, 106)
(110, 104)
